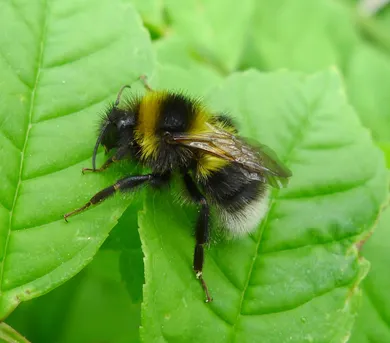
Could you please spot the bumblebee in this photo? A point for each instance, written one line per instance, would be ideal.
(176, 136)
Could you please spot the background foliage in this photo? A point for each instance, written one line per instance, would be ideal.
(309, 78)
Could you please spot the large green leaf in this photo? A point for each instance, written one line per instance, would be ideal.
(69, 59)
(333, 34)
(302, 35)
(195, 81)
(216, 29)
(373, 322)
(369, 68)
(296, 279)
(174, 51)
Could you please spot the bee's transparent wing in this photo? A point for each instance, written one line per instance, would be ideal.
(258, 161)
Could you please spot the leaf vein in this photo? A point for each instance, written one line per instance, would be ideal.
(224, 273)
(294, 307)
(22, 17)
(337, 240)
(329, 190)
(14, 72)
(73, 111)
(298, 137)
(99, 48)
(4, 206)
(30, 114)
(37, 176)
(11, 141)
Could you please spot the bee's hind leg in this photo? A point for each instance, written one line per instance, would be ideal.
(202, 231)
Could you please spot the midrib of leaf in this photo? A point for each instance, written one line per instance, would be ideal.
(27, 133)
(298, 138)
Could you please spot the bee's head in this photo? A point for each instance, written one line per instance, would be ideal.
(109, 130)
(114, 121)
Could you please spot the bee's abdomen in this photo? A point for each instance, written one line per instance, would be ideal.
(241, 202)
(231, 188)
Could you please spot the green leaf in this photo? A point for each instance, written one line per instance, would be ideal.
(72, 58)
(374, 32)
(175, 51)
(150, 10)
(373, 322)
(369, 68)
(296, 278)
(92, 307)
(385, 146)
(124, 238)
(384, 17)
(194, 81)
(284, 35)
(152, 13)
(216, 29)
(9, 335)
(181, 70)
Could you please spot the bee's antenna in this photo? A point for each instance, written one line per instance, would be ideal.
(118, 98)
(98, 141)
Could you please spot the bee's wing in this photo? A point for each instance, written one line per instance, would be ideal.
(267, 162)
(258, 161)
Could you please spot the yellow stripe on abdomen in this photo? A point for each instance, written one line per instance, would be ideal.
(208, 164)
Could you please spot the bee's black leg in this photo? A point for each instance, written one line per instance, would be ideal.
(202, 230)
(144, 80)
(125, 184)
(103, 167)
(115, 158)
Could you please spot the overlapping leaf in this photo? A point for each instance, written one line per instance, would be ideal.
(70, 59)
(296, 279)
(373, 322)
